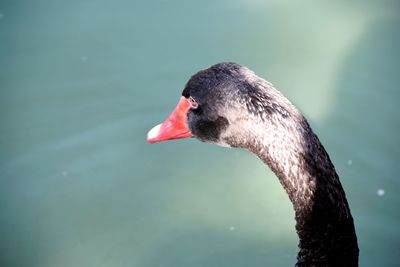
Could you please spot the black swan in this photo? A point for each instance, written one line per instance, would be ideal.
(229, 105)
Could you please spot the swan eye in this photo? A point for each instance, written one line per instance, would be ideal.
(193, 103)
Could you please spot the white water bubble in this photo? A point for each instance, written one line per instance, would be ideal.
(380, 192)
(232, 228)
(349, 162)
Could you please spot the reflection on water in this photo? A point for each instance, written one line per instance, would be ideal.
(83, 81)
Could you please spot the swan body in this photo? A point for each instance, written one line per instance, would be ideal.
(229, 105)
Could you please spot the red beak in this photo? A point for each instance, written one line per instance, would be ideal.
(174, 127)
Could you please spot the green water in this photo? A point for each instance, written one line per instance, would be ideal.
(83, 81)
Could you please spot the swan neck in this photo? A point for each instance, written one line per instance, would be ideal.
(324, 223)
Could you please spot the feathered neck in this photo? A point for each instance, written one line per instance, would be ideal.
(324, 223)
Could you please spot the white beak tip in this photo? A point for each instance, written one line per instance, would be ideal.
(153, 133)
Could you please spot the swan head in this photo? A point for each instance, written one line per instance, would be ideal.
(225, 104)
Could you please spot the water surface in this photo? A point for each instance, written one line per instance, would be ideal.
(83, 81)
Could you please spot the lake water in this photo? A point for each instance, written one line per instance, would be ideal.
(83, 81)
